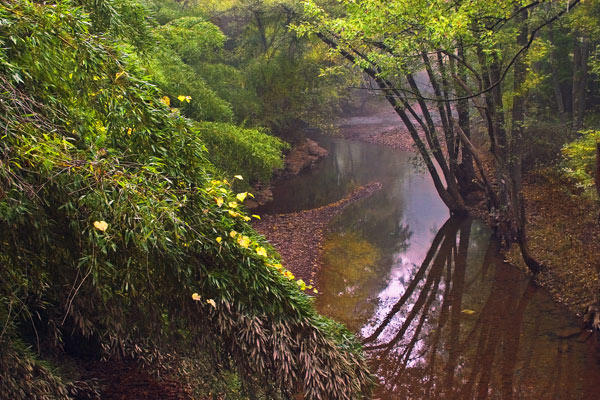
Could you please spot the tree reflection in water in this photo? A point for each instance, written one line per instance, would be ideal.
(469, 326)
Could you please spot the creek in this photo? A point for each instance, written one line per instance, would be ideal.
(439, 312)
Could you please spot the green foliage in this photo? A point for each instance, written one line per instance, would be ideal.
(183, 43)
(580, 159)
(114, 231)
(289, 92)
(235, 150)
(269, 76)
(122, 19)
(176, 78)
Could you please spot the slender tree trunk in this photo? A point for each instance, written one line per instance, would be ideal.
(516, 155)
(490, 109)
(449, 167)
(560, 103)
(453, 201)
(598, 175)
(580, 58)
(466, 168)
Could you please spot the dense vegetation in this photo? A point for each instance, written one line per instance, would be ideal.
(121, 235)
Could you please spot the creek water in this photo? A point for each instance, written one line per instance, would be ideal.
(439, 312)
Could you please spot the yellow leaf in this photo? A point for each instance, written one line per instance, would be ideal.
(241, 196)
(315, 291)
(196, 297)
(289, 275)
(468, 312)
(239, 177)
(166, 101)
(243, 241)
(219, 239)
(119, 74)
(302, 284)
(100, 225)
(212, 303)
(256, 216)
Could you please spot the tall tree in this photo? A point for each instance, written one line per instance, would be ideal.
(468, 51)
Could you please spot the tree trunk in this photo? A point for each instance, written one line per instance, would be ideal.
(598, 174)
(516, 154)
(465, 168)
(560, 102)
(580, 58)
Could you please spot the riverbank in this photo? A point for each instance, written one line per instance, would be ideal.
(381, 126)
(298, 236)
(564, 233)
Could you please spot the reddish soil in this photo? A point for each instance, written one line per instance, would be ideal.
(125, 381)
(298, 236)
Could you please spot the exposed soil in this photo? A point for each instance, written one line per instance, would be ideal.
(303, 156)
(118, 380)
(298, 236)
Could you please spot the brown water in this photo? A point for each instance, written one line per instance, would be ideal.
(440, 314)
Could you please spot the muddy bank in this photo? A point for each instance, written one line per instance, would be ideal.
(564, 234)
(298, 236)
(301, 157)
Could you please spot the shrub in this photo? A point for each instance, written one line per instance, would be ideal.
(580, 159)
(234, 149)
(115, 232)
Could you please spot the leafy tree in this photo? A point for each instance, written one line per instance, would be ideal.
(428, 57)
(268, 75)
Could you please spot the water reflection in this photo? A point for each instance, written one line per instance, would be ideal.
(468, 326)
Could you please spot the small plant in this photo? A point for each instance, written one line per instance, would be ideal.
(580, 159)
